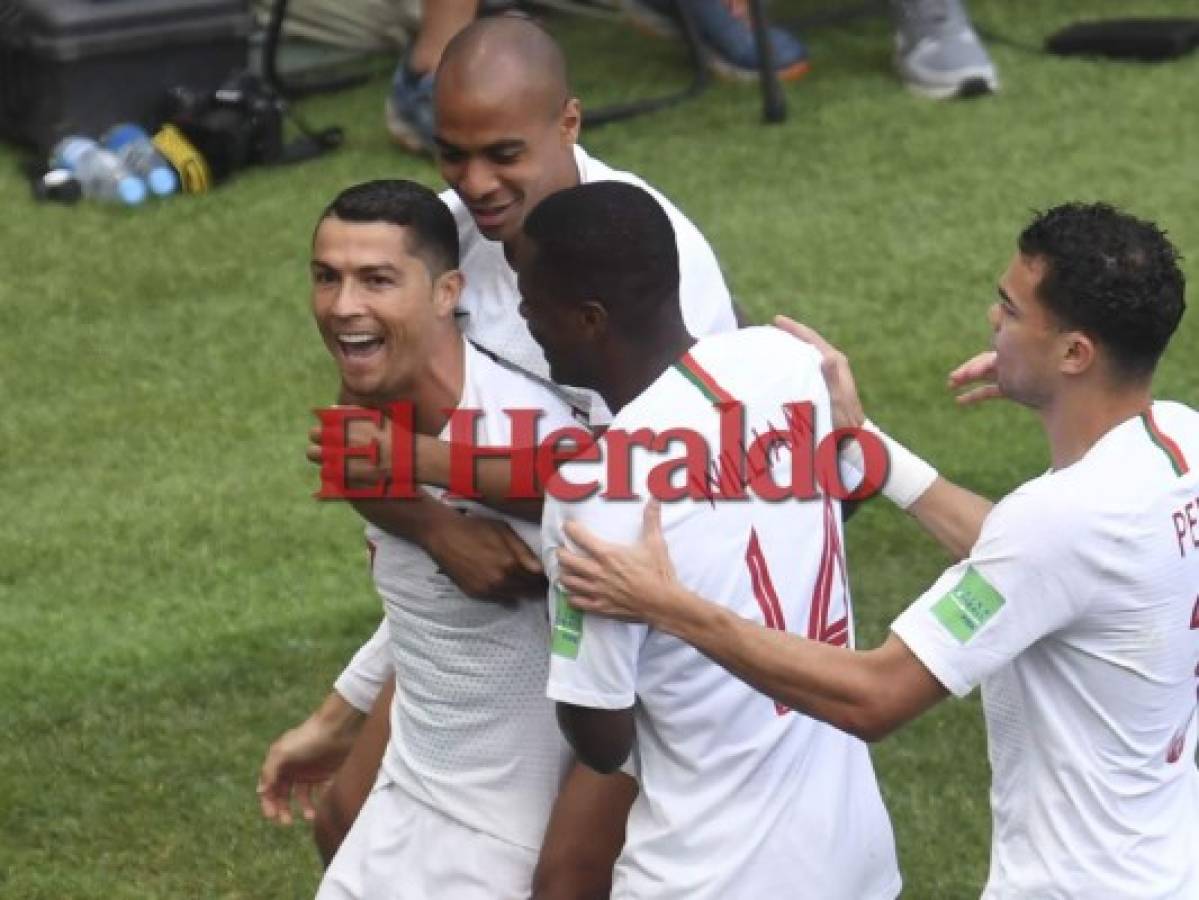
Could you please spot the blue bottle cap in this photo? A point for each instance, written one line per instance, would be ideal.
(162, 181)
(132, 190)
(120, 135)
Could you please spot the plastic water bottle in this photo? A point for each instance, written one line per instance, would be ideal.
(101, 175)
(134, 148)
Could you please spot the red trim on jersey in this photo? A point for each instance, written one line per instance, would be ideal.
(816, 611)
(831, 557)
(699, 376)
(1178, 742)
(765, 594)
(1166, 443)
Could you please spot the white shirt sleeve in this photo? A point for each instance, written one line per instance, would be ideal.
(371, 667)
(593, 660)
(703, 295)
(1020, 583)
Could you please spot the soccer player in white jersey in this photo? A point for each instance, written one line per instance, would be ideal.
(475, 758)
(507, 137)
(739, 797)
(1075, 604)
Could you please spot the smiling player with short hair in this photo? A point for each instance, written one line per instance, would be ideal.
(474, 760)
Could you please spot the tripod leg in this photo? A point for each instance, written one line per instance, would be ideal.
(270, 44)
(774, 106)
(695, 47)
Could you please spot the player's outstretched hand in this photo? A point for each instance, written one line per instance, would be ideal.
(834, 365)
(303, 759)
(360, 472)
(980, 368)
(623, 582)
(485, 558)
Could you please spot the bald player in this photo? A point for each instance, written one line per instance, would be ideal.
(507, 130)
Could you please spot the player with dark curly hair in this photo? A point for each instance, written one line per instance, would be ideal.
(1112, 275)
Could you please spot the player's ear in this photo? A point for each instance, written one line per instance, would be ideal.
(1078, 353)
(447, 289)
(593, 318)
(571, 121)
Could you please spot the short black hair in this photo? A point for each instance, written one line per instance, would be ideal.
(429, 224)
(1111, 275)
(611, 242)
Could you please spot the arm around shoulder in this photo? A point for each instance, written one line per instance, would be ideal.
(867, 694)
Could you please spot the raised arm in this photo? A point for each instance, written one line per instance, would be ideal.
(492, 478)
(951, 514)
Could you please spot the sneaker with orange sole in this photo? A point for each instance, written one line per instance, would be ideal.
(726, 31)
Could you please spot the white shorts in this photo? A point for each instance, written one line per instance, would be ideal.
(401, 849)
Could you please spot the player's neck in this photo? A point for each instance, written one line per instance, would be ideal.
(1075, 423)
(438, 386)
(439, 389)
(634, 367)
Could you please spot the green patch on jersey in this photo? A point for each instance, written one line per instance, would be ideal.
(968, 607)
(568, 626)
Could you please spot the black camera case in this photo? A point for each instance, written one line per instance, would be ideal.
(80, 66)
(238, 125)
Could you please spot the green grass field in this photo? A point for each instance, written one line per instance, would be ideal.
(171, 595)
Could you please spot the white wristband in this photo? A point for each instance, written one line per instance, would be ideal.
(908, 476)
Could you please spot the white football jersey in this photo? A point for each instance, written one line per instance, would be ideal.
(1078, 613)
(741, 799)
(472, 734)
(490, 299)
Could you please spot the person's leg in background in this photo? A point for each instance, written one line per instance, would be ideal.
(409, 108)
(440, 21)
(725, 28)
(937, 51)
(382, 26)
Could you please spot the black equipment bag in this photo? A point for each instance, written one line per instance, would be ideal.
(80, 66)
(1151, 40)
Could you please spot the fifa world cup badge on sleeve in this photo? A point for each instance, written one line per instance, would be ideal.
(568, 626)
(968, 607)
